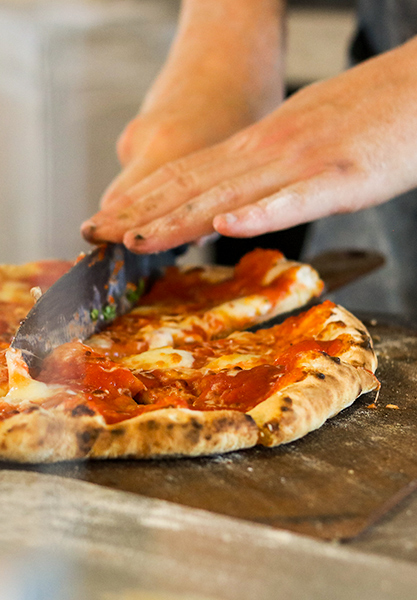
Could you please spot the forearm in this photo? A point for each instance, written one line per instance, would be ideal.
(238, 41)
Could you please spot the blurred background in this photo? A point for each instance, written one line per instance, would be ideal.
(73, 73)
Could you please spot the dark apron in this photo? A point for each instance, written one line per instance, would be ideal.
(391, 227)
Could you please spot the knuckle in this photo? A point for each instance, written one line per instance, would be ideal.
(181, 180)
(171, 170)
(187, 183)
(244, 141)
(230, 192)
(125, 143)
(123, 149)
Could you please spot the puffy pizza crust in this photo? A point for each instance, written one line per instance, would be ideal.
(331, 384)
(44, 436)
(329, 387)
(360, 352)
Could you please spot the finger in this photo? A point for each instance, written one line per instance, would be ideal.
(125, 190)
(300, 202)
(154, 169)
(194, 219)
(135, 210)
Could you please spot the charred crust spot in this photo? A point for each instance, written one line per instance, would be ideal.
(272, 426)
(170, 426)
(249, 418)
(285, 408)
(30, 410)
(320, 375)
(366, 343)
(208, 437)
(335, 359)
(82, 410)
(223, 423)
(17, 427)
(119, 431)
(86, 439)
(196, 424)
(152, 425)
(193, 432)
(287, 400)
(88, 353)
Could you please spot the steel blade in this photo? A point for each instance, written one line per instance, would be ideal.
(101, 286)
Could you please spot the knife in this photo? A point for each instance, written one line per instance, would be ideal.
(104, 284)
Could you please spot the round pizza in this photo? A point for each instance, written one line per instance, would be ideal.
(181, 376)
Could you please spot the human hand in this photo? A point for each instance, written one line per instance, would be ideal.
(210, 87)
(337, 146)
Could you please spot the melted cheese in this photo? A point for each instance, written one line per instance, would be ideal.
(161, 337)
(159, 358)
(22, 388)
(229, 361)
(242, 309)
(15, 291)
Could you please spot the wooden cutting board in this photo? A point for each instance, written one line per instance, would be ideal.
(332, 484)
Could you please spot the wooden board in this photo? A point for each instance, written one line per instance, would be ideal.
(332, 484)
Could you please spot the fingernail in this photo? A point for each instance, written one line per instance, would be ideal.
(88, 229)
(230, 218)
(89, 225)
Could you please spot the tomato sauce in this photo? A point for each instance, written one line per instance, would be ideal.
(192, 287)
(47, 272)
(7, 410)
(108, 386)
(241, 390)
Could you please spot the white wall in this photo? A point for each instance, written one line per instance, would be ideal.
(71, 75)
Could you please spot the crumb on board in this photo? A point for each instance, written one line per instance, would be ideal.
(372, 405)
(391, 406)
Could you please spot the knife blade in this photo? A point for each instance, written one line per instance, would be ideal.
(101, 286)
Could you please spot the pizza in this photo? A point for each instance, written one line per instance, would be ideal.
(182, 376)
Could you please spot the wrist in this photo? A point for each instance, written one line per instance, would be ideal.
(234, 45)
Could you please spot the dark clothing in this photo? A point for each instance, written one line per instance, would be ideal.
(387, 23)
(390, 228)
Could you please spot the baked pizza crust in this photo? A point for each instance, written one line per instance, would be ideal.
(329, 387)
(44, 436)
(331, 384)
